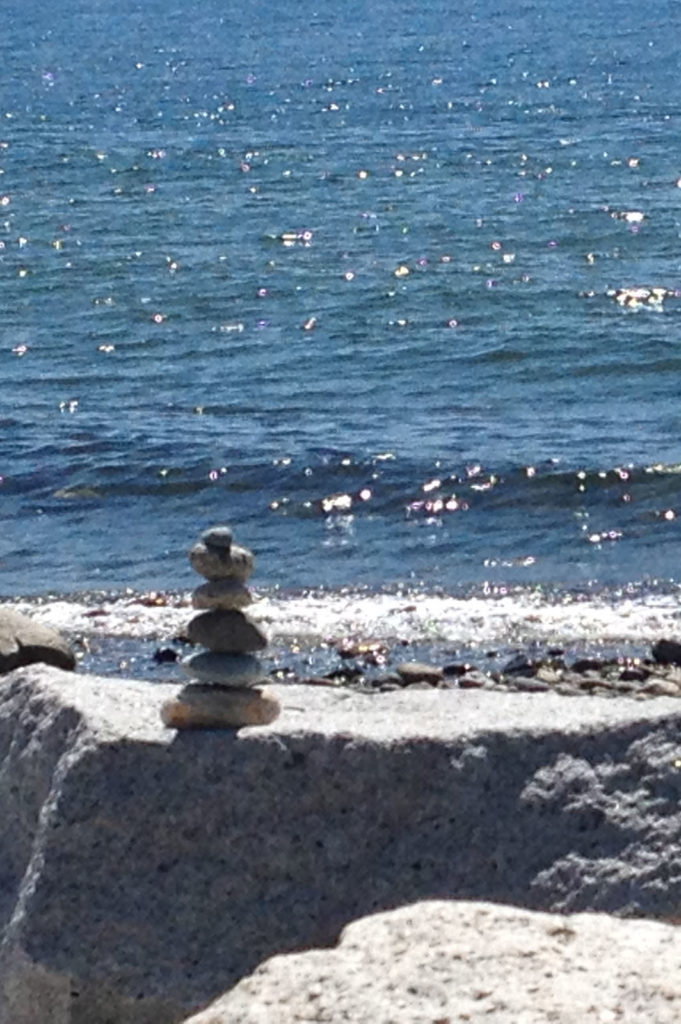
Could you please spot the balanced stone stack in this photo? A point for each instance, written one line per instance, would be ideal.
(225, 691)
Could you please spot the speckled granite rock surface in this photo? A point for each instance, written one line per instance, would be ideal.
(445, 962)
(144, 871)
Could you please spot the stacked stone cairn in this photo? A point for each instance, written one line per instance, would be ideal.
(224, 692)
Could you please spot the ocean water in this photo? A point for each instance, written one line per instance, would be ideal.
(366, 281)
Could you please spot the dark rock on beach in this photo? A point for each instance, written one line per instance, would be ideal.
(164, 655)
(667, 652)
(634, 673)
(520, 665)
(345, 673)
(457, 668)
(584, 665)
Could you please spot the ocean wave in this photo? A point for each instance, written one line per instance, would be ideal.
(484, 617)
(324, 483)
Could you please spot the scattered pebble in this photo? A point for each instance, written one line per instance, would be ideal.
(416, 672)
(165, 654)
(604, 677)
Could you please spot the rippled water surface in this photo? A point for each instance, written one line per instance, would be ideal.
(367, 281)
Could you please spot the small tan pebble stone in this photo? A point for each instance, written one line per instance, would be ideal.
(658, 687)
(223, 669)
(226, 632)
(215, 563)
(549, 675)
(416, 672)
(227, 594)
(673, 674)
(215, 707)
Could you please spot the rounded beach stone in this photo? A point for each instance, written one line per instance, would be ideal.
(223, 669)
(473, 680)
(215, 563)
(24, 641)
(217, 537)
(227, 594)
(214, 707)
(416, 672)
(226, 632)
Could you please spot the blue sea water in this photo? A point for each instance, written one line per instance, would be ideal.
(348, 277)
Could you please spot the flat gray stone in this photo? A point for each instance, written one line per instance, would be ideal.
(475, 962)
(215, 563)
(145, 871)
(226, 632)
(228, 593)
(225, 669)
(24, 641)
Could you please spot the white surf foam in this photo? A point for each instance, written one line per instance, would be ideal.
(513, 619)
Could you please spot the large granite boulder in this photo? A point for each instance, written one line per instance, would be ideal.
(477, 962)
(23, 641)
(143, 872)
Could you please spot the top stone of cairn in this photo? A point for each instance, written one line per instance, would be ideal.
(215, 557)
(217, 537)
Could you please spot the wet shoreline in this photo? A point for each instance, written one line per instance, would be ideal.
(360, 640)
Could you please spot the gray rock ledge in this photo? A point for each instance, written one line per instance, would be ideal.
(143, 872)
(474, 962)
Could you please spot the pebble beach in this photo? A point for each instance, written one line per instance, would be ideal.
(580, 648)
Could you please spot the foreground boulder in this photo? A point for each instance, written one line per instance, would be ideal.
(23, 641)
(143, 871)
(475, 962)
